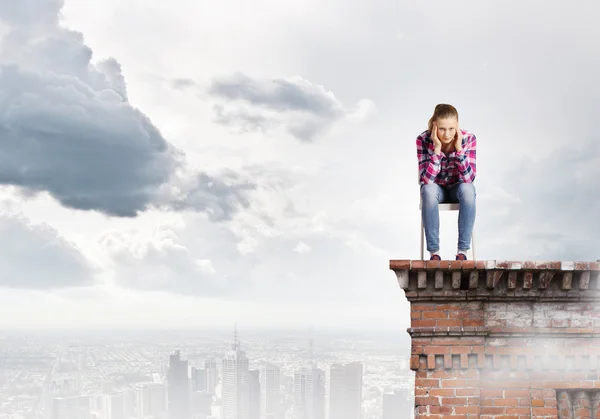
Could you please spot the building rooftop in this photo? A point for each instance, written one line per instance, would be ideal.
(497, 280)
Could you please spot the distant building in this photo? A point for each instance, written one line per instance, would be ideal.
(201, 404)
(345, 391)
(178, 388)
(254, 394)
(150, 400)
(235, 388)
(309, 393)
(114, 406)
(397, 405)
(212, 375)
(199, 379)
(270, 398)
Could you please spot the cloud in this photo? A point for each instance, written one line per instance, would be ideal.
(162, 262)
(551, 203)
(303, 109)
(181, 84)
(220, 197)
(28, 13)
(302, 248)
(36, 257)
(67, 128)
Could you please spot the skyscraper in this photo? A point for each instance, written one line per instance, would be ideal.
(114, 406)
(254, 394)
(270, 398)
(178, 388)
(345, 391)
(309, 393)
(397, 405)
(212, 374)
(235, 389)
(199, 379)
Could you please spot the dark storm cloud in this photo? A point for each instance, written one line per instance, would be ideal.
(67, 128)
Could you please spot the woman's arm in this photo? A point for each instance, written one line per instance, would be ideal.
(466, 160)
(429, 162)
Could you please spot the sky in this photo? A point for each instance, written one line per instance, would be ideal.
(198, 164)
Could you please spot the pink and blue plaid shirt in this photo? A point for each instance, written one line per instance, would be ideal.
(450, 169)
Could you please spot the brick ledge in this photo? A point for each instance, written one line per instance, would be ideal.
(410, 264)
(494, 280)
(468, 331)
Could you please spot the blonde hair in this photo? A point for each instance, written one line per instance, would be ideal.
(442, 110)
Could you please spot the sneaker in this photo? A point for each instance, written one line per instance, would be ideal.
(461, 256)
(435, 257)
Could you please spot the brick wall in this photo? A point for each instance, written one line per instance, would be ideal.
(504, 340)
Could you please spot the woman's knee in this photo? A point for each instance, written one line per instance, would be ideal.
(430, 192)
(466, 192)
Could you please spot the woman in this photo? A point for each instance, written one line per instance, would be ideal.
(447, 170)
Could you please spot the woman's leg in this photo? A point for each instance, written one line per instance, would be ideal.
(466, 195)
(432, 195)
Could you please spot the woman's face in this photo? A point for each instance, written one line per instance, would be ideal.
(446, 129)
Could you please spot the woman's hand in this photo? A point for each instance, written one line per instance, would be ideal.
(458, 139)
(436, 141)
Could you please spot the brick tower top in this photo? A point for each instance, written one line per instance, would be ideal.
(493, 280)
(503, 339)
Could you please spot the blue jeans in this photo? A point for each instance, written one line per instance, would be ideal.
(432, 195)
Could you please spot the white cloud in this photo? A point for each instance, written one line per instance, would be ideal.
(35, 256)
(302, 247)
(162, 263)
(302, 109)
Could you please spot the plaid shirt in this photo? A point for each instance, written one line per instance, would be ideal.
(450, 169)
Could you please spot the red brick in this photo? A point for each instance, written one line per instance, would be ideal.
(417, 264)
(443, 392)
(489, 393)
(454, 383)
(448, 306)
(468, 265)
(467, 392)
(444, 410)
(544, 411)
(517, 410)
(466, 410)
(506, 402)
(432, 264)
(422, 307)
(427, 382)
(430, 401)
(433, 315)
(423, 323)
(437, 350)
(400, 264)
(517, 393)
(449, 323)
(457, 350)
(454, 401)
(473, 322)
(414, 362)
(488, 410)
(441, 374)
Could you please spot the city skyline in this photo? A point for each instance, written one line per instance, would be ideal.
(109, 379)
